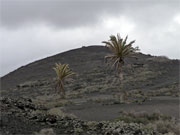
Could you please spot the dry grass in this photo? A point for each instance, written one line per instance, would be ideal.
(45, 131)
(156, 121)
(51, 101)
(59, 112)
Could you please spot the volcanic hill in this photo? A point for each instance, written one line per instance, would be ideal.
(144, 72)
(93, 103)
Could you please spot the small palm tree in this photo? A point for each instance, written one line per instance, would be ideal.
(120, 50)
(63, 71)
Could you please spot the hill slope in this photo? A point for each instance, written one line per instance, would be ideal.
(78, 59)
(28, 99)
(143, 72)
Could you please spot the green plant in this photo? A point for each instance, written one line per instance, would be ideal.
(120, 50)
(63, 71)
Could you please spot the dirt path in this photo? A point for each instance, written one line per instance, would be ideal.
(97, 112)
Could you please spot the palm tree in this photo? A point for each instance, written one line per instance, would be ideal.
(63, 71)
(120, 50)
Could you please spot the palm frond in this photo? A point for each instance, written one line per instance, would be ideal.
(124, 42)
(120, 49)
(62, 71)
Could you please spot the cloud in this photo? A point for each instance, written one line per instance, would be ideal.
(122, 23)
(177, 18)
(57, 13)
(75, 13)
(32, 30)
(35, 42)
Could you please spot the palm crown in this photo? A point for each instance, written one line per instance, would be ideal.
(120, 49)
(63, 71)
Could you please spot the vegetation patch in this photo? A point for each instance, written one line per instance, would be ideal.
(156, 121)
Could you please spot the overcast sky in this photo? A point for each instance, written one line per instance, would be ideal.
(34, 29)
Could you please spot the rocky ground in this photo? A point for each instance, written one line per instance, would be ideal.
(18, 117)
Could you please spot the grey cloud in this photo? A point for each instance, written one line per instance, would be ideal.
(155, 14)
(76, 13)
(57, 13)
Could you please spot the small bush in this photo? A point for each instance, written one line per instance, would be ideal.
(59, 112)
(56, 112)
(46, 131)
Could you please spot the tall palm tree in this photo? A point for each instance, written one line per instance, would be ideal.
(63, 71)
(120, 50)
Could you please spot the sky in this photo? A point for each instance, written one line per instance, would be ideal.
(34, 29)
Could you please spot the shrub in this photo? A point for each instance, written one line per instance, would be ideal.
(46, 131)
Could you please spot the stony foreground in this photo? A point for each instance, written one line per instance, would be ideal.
(18, 117)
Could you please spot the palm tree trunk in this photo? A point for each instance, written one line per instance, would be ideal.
(62, 88)
(57, 87)
(121, 77)
(120, 73)
(124, 96)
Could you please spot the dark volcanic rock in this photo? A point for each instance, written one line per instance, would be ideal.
(15, 122)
